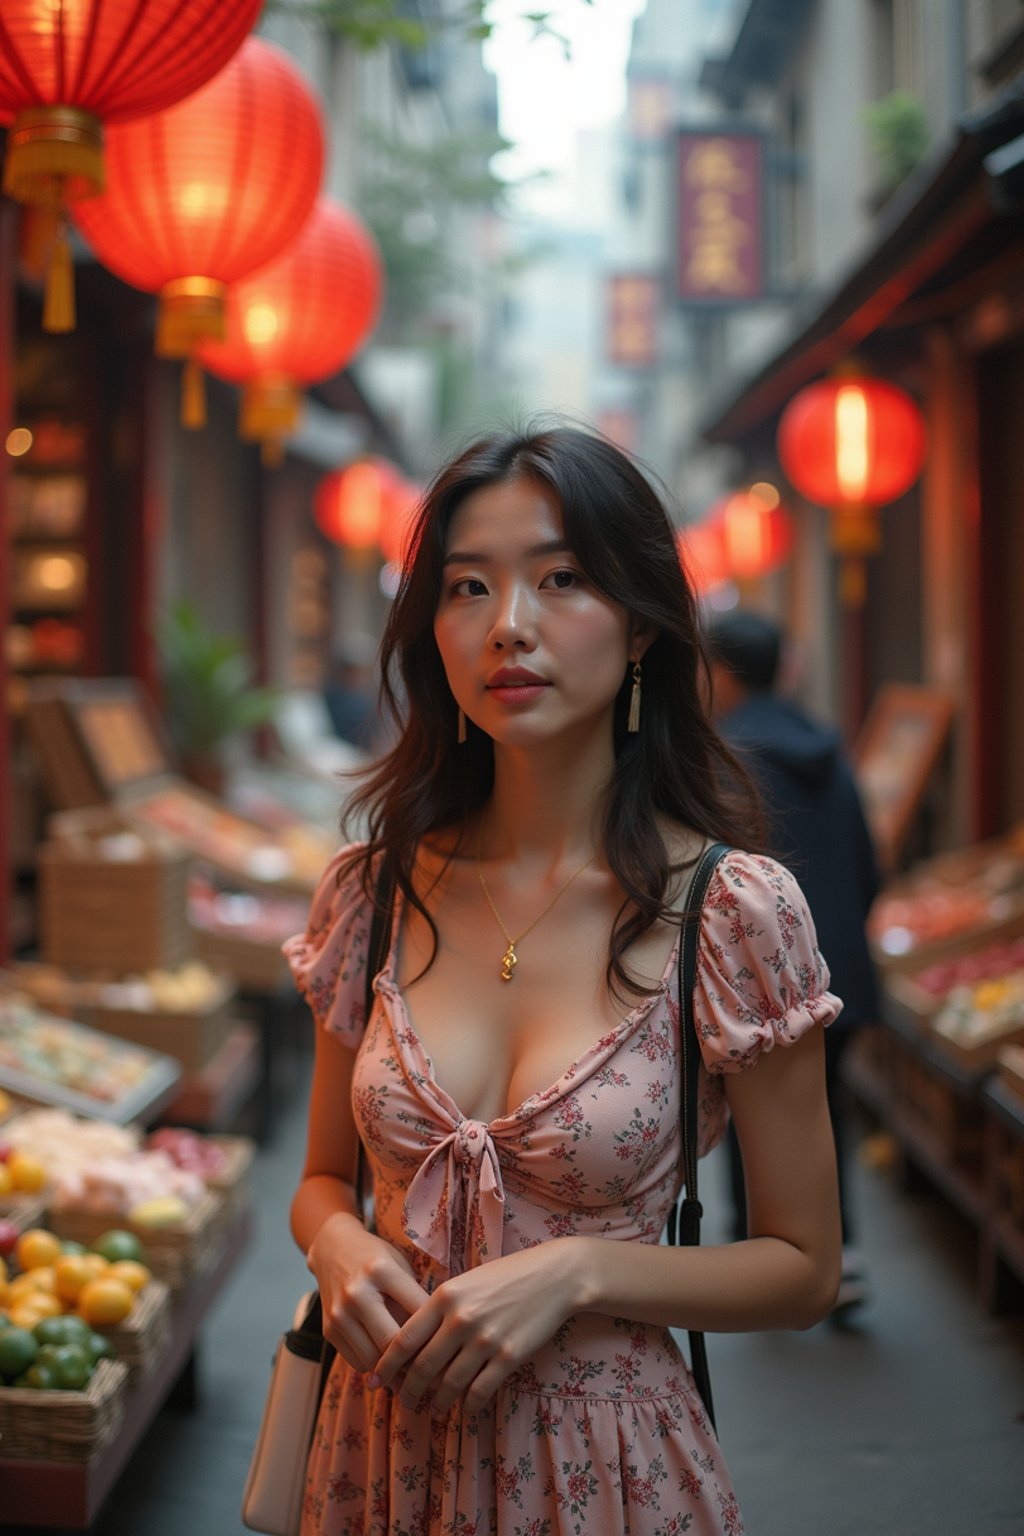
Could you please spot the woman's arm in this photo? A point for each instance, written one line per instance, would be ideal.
(367, 1287)
(480, 1326)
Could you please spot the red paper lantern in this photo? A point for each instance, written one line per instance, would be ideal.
(299, 318)
(203, 194)
(756, 532)
(351, 505)
(852, 444)
(66, 69)
(400, 521)
(702, 555)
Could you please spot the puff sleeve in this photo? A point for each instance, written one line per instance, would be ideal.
(761, 979)
(328, 961)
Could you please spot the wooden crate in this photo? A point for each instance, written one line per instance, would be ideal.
(1010, 1066)
(63, 1426)
(140, 1340)
(256, 964)
(173, 1253)
(193, 1037)
(102, 914)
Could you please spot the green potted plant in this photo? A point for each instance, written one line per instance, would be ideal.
(897, 135)
(209, 694)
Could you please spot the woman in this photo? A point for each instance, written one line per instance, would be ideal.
(504, 1359)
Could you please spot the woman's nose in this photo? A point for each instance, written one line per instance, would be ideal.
(514, 622)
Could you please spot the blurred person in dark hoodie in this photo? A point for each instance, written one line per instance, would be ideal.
(818, 830)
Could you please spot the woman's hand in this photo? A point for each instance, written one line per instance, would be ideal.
(367, 1289)
(479, 1327)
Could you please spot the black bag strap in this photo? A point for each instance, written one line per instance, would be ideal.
(685, 1216)
(376, 958)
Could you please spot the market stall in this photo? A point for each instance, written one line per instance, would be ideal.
(945, 1072)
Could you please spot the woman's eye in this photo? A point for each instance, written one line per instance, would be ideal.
(564, 580)
(469, 586)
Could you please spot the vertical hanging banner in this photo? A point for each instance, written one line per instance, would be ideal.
(632, 320)
(719, 217)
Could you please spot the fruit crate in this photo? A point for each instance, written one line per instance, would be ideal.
(24, 1211)
(61, 1425)
(231, 1185)
(140, 1340)
(111, 914)
(192, 1037)
(172, 1253)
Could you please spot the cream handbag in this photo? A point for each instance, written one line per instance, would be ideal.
(272, 1501)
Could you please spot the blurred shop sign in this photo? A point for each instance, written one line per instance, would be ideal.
(719, 217)
(632, 320)
(651, 103)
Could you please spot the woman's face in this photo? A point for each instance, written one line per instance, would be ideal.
(531, 649)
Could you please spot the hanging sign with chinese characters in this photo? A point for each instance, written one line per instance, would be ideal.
(632, 320)
(719, 217)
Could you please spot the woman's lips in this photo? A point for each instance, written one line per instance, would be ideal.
(517, 691)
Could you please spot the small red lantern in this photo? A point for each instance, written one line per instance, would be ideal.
(400, 519)
(852, 444)
(702, 555)
(756, 531)
(68, 69)
(298, 319)
(208, 191)
(351, 505)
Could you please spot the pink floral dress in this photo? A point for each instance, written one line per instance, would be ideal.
(603, 1431)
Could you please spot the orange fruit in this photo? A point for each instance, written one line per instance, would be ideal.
(104, 1301)
(44, 1278)
(45, 1303)
(24, 1316)
(36, 1247)
(6, 1180)
(71, 1273)
(131, 1272)
(3, 1265)
(97, 1264)
(27, 1172)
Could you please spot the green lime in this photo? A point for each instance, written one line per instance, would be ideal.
(50, 1331)
(18, 1350)
(71, 1367)
(76, 1329)
(99, 1347)
(39, 1376)
(118, 1244)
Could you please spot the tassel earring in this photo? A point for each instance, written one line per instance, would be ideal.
(462, 726)
(633, 722)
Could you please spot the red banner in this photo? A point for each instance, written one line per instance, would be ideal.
(719, 217)
(633, 321)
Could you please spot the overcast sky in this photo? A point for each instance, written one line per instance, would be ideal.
(544, 97)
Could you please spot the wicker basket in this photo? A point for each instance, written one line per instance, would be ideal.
(256, 964)
(140, 1340)
(63, 1426)
(24, 1211)
(101, 914)
(193, 1038)
(232, 1186)
(172, 1253)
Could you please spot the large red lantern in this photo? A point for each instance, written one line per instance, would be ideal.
(400, 522)
(352, 505)
(298, 319)
(69, 67)
(852, 444)
(756, 532)
(203, 194)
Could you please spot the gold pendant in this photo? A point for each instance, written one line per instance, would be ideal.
(508, 963)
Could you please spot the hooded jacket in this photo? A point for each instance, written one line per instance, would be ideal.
(817, 828)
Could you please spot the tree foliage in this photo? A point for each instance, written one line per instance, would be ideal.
(373, 23)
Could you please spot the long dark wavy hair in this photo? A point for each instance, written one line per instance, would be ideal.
(676, 764)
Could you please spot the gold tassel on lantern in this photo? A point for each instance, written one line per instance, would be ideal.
(271, 407)
(193, 396)
(59, 302)
(54, 156)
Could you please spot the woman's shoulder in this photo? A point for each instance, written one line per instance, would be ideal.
(328, 960)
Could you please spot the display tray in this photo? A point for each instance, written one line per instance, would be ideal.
(980, 1054)
(923, 1001)
(191, 1035)
(49, 1060)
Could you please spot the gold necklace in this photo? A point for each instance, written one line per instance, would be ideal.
(509, 959)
